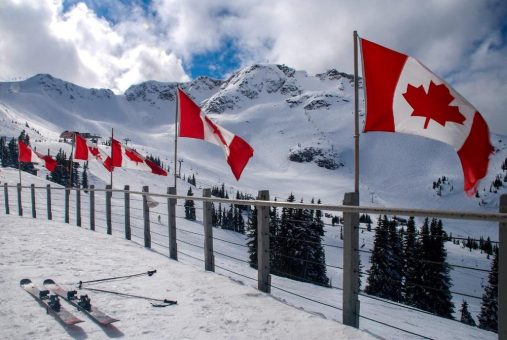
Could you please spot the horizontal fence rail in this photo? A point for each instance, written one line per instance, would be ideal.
(134, 215)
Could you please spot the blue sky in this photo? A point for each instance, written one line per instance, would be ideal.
(216, 63)
(116, 43)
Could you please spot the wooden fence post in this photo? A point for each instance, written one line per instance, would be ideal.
(263, 276)
(109, 194)
(67, 203)
(351, 262)
(6, 196)
(127, 212)
(502, 273)
(78, 207)
(32, 194)
(48, 201)
(92, 206)
(146, 215)
(20, 207)
(171, 225)
(209, 258)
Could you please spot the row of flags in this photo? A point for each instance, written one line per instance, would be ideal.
(193, 124)
(402, 95)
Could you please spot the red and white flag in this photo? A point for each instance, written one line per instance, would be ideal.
(402, 95)
(84, 151)
(125, 157)
(195, 124)
(27, 155)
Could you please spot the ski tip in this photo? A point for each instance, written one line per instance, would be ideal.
(25, 282)
(48, 282)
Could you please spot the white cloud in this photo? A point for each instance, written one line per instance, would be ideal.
(78, 46)
(445, 35)
(452, 37)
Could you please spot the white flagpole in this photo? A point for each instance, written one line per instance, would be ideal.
(356, 118)
(176, 116)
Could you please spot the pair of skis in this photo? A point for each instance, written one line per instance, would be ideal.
(52, 302)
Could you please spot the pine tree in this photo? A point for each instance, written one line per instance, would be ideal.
(12, 148)
(60, 174)
(488, 317)
(76, 183)
(395, 262)
(412, 264)
(378, 282)
(281, 262)
(4, 152)
(466, 317)
(84, 177)
(190, 207)
(315, 266)
(442, 297)
(274, 244)
(436, 281)
(252, 238)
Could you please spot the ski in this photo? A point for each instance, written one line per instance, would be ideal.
(82, 303)
(50, 302)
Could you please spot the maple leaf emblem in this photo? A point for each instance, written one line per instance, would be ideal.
(434, 104)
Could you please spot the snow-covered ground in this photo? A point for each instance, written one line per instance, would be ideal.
(230, 259)
(210, 306)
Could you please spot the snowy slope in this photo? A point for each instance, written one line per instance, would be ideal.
(231, 256)
(209, 305)
(280, 112)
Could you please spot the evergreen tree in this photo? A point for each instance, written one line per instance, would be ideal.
(412, 264)
(84, 177)
(378, 282)
(240, 222)
(252, 238)
(189, 206)
(281, 262)
(4, 152)
(60, 174)
(466, 317)
(274, 225)
(315, 266)
(436, 281)
(442, 297)
(12, 149)
(76, 183)
(395, 262)
(488, 317)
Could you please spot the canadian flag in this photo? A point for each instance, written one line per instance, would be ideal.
(125, 157)
(195, 124)
(402, 95)
(27, 155)
(83, 150)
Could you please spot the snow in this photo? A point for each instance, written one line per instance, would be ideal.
(98, 255)
(209, 305)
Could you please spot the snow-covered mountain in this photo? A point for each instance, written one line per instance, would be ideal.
(300, 125)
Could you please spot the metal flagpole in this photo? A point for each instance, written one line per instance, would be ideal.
(71, 159)
(176, 116)
(356, 117)
(112, 167)
(19, 166)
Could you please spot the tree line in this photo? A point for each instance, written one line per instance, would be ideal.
(409, 266)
